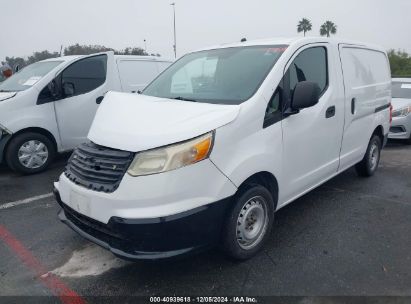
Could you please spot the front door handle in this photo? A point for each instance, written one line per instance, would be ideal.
(330, 112)
(353, 106)
(99, 99)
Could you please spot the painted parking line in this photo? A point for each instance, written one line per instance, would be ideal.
(25, 201)
(52, 282)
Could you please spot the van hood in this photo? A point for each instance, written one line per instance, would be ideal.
(137, 122)
(7, 95)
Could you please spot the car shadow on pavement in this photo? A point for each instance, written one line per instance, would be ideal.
(328, 242)
(397, 143)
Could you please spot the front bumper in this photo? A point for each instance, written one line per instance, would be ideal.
(151, 196)
(153, 238)
(400, 128)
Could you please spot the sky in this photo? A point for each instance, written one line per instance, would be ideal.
(35, 25)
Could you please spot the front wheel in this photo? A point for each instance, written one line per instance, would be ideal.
(249, 223)
(30, 153)
(369, 163)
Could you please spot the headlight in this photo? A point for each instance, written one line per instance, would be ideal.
(401, 112)
(172, 157)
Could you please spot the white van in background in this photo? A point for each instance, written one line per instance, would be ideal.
(221, 140)
(48, 106)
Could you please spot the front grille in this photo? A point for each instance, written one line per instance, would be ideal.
(98, 168)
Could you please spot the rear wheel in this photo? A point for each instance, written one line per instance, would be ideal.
(249, 223)
(369, 163)
(30, 153)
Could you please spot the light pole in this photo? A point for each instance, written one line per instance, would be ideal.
(175, 35)
(145, 45)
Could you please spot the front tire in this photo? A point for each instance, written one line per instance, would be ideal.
(371, 160)
(29, 153)
(249, 223)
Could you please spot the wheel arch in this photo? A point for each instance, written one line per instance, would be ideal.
(379, 131)
(265, 179)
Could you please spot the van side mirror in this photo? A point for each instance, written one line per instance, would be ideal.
(68, 89)
(306, 94)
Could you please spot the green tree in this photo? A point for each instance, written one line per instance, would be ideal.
(328, 28)
(16, 61)
(37, 56)
(304, 26)
(400, 63)
(132, 51)
(75, 49)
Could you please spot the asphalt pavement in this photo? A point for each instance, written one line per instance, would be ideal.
(349, 237)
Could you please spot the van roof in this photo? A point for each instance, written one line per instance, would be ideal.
(74, 57)
(151, 58)
(63, 58)
(293, 40)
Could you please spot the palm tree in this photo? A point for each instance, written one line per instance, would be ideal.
(328, 28)
(304, 26)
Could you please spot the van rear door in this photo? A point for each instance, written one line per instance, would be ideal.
(90, 78)
(367, 88)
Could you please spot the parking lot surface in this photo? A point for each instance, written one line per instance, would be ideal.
(351, 236)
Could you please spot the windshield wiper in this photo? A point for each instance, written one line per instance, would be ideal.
(183, 98)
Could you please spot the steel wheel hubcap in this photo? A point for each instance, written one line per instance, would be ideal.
(33, 154)
(252, 222)
(374, 155)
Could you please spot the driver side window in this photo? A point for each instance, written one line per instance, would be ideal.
(309, 65)
(83, 76)
(86, 74)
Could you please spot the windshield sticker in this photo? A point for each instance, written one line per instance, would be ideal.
(32, 80)
(406, 86)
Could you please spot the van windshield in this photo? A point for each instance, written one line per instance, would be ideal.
(401, 90)
(28, 76)
(220, 76)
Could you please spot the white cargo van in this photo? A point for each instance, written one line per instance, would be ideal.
(48, 106)
(221, 140)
